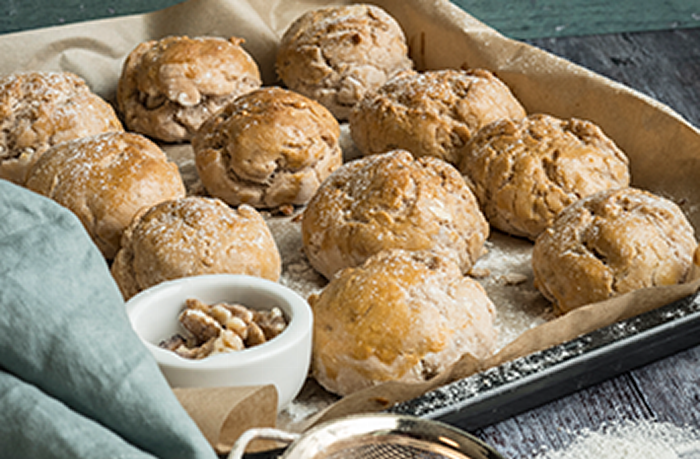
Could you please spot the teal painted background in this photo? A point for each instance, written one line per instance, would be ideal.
(550, 18)
(520, 19)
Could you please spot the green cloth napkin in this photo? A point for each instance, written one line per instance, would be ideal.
(74, 370)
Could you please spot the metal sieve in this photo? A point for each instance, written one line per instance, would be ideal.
(374, 436)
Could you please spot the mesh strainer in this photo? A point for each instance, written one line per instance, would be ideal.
(374, 436)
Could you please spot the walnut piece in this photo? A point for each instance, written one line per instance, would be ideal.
(223, 327)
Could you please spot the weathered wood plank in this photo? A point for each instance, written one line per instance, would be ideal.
(664, 65)
(671, 388)
(556, 424)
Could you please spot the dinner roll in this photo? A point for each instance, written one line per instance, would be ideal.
(41, 109)
(610, 243)
(335, 55)
(105, 180)
(169, 87)
(401, 316)
(525, 172)
(389, 201)
(432, 113)
(269, 148)
(191, 236)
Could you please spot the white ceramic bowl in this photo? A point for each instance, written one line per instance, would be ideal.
(282, 361)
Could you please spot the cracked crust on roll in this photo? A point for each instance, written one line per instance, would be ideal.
(106, 180)
(433, 113)
(392, 200)
(525, 172)
(169, 87)
(611, 243)
(191, 236)
(269, 148)
(401, 316)
(41, 109)
(336, 55)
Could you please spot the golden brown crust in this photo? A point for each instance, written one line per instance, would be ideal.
(169, 87)
(105, 180)
(525, 172)
(392, 201)
(269, 148)
(192, 236)
(611, 243)
(336, 55)
(431, 113)
(41, 109)
(401, 316)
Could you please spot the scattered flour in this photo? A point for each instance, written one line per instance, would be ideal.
(640, 439)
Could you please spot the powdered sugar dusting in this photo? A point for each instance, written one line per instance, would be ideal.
(297, 272)
(505, 272)
(631, 439)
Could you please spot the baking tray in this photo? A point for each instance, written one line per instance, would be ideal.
(514, 387)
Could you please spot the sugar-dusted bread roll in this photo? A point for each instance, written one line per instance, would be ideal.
(169, 87)
(611, 243)
(525, 172)
(432, 113)
(268, 148)
(41, 109)
(337, 54)
(401, 316)
(388, 201)
(191, 236)
(106, 180)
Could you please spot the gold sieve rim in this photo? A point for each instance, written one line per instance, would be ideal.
(382, 436)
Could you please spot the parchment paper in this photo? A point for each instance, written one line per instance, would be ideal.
(663, 148)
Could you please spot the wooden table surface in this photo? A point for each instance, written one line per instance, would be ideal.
(651, 46)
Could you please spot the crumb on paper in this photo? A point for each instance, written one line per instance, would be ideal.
(513, 278)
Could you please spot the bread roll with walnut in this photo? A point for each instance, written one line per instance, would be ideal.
(401, 316)
(336, 55)
(169, 87)
(41, 109)
(268, 148)
(525, 172)
(106, 180)
(192, 236)
(610, 243)
(392, 201)
(432, 113)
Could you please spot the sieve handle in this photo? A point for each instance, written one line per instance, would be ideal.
(263, 433)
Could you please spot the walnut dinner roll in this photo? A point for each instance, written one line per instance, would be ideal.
(106, 180)
(432, 113)
(268, 148)
(392, 200)
(41, 109)
(191, 236)
(401, 316)
(336, 55)
(169, 87)
(610, 243)
(525, 172)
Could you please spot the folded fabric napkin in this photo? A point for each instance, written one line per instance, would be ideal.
(76, 381)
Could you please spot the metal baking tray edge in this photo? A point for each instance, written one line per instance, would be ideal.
(514, 387)
(525, 383)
